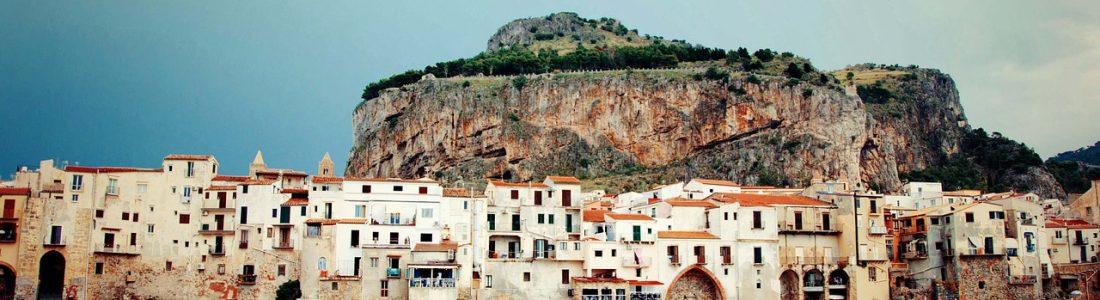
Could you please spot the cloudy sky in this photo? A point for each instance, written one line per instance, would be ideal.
(126, 82)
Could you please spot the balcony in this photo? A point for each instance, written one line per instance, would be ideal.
(813, 286)
(283, 244)
(101, 248)
(246, 279)
(508, 255)
(394, 221)
(1081, 241)
(603, 297)
(217, 250)
(979, 252)
(637, 262)
(1058, 240)
(674, 259)
(393, 273)
(899, 266)
(1022, 279)
(431, 282)
(793, 228)
(916, 255)
(645, 296)
(49, 241)
(386, 244)
(211, 229)
(216, 209)
(877, 230)
(545, 254)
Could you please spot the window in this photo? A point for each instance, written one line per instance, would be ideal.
(125, 216)
(564, 276)
(186, 193)
(515, 194)
(78, 182)
(244, 215)
(935, 221)
(366, 189)
(426, 237)
(872, 274)
(726, 216)
(757, 255)
(76, 197)
(135, 217)
(313, 229)
(360, 211)
(550, 218)
(422, 190)
(526, 276)
(99, 213)
(335, 285)
(150, 228)
(168, 265)
(281, 270)
(142, 188)
(373, 262)
(538, 197)
(398, 188)
(185, 219)
(542, 218)
(488, 281)
(112, 186)
(598, 253)
(98, 268)
(673, 254)
(970, 217)
(244, 189)
(384, 288)
(426, 213)
(355, 238)
(303, 211)
(757, 220)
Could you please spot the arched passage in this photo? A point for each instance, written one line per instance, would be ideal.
(788, 284)
(813, 284)
(838, 284)
(51, 275)
(7, 282)
(695, 283)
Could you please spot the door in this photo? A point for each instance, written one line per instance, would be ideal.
(51, 275)
(515, 222)
(284, 214)
(492, 249)
(797, 220)
(637, 233)
(218, 247)
(825, 222)
(9, 208)
(55, 235)
(219, 220)
(221, 199)
(567, 198)
(568, 223)
(492, 219)
(513, 249)
(989, 245)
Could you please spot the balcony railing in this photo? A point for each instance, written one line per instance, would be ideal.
(1058, 240)
(1022, 279)
(386, 244)
(637, 262)
(1081, 241)
(603, 297)
(394, 221)
(50, 241)
(916, 254)
(217, 250)
(431, 282)
(816, 285)
(645, 296)
(545, 254)
(246, 279)
(674, 259)
(801, 260)
(980, 251)
(393, 273)
(117, 249)
(506, 254)
(877, 230)
(791, 227)
(700, 259)
(283, 244)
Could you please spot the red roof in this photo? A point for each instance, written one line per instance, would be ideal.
(187, 157)
(83, 169)
(259, 181)
(294, 191)
(321, 221)
(229, 178)
(766, 200)
(458, 193)
(15, 191)
(599, 279)
(564, 179)
(593, 215)
(296, 202)
(690, 203)
(511, 184)
(716, 182)
(644, 282)
(326, 179)
(629, 217)
(1069, 223)
(685, 235)
(222, 188)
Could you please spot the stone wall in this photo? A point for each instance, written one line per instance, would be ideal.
(985, 277)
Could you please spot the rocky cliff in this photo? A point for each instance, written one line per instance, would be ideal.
(626, 129)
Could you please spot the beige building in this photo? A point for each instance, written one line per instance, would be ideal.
(15, 203)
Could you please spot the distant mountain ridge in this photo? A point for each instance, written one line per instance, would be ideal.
(1089, 155)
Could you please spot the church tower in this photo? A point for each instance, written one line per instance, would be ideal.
(257, 164)
(326, 167)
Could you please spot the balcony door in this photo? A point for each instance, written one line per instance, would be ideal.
(284, 214)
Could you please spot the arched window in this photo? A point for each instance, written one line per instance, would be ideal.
(322, 264)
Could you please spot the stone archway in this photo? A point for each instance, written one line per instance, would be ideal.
(788, 283)
(695, 283)
(51, 275)
(7, 282)
(813, 285)
(838, 284)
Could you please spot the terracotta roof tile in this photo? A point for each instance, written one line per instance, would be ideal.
(222, 188)
(229, 178)
(188, 157)
(599, 280)
(296, 202)
(326, 179)
(294, 191)
(644, 282)
(685, 235)
(1069, 223)
(15, 191)
(690, 203)
(564, 179)
(594, 215)
(441, 247)
(321, 221)
(352, 221)
(629, 217)
(716, 182)
(523, 185)
(82, 169)
(259, 181)
(766, 200)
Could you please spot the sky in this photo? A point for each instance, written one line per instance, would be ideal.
(123, 83)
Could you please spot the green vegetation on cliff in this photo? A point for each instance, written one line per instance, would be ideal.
(983, 163)
(1089, 155)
